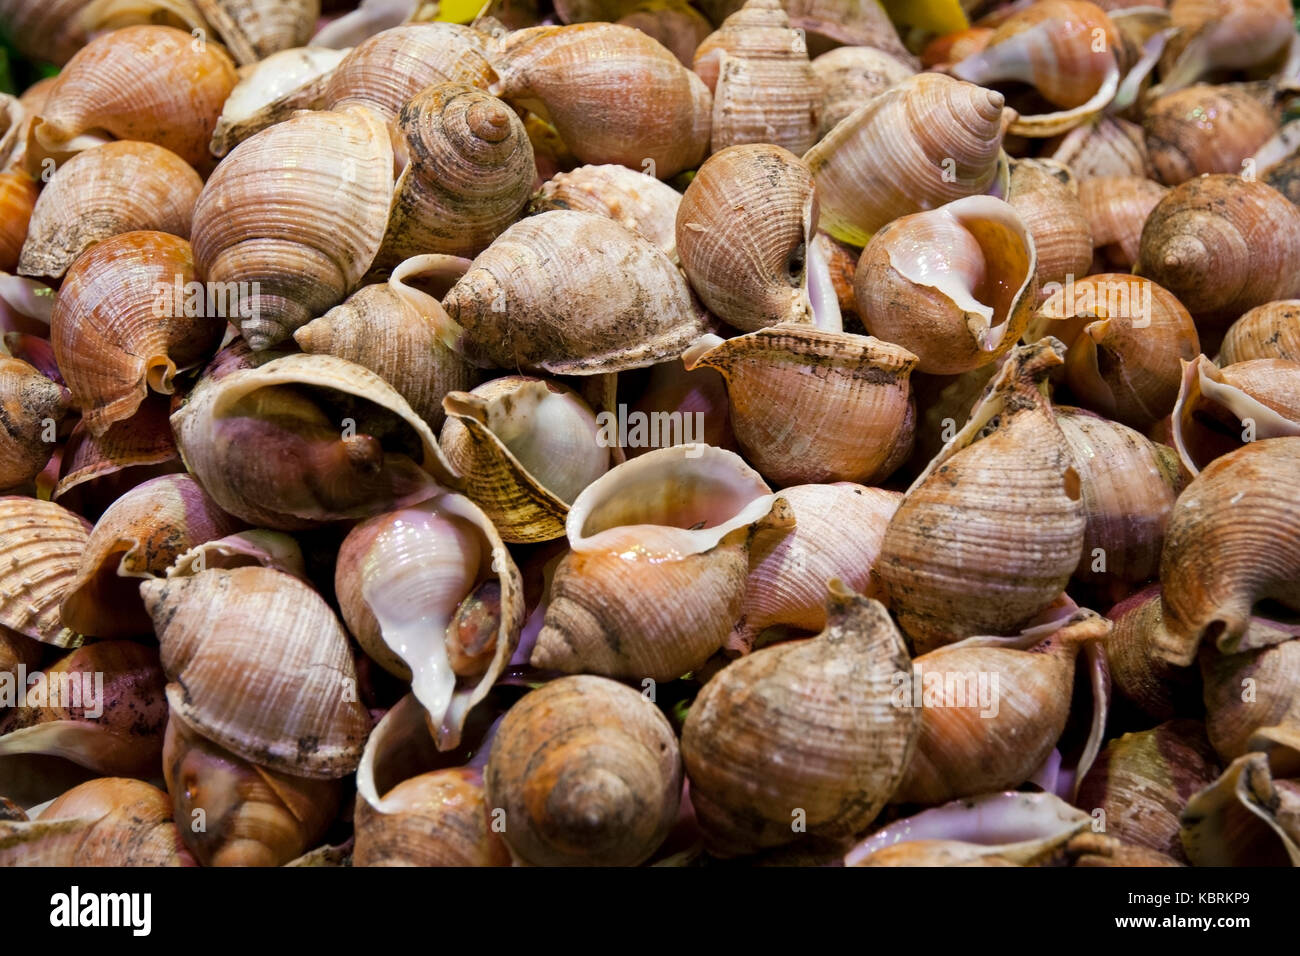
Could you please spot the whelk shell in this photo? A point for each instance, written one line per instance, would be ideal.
(573, 293)
(1271, 330)
(530, 447)
(764, 89)
(101, 706)
(147, 83)
(431, 593)
(927, 141)
(1068, 51)
(103, 192)
(1199, 244)
(613, 93)
(385, 71)
(127, 318)
(1126, 337)
(469, 172)
(954, 285)
(809, 405)
(42, 543)
(659, 553)
(108, 821)
(1219, 410)
(632, 199)
(1116, 208)
(1128, 486)
(294, 217)
(1231, 542)
(1142, 781)
(307, 439)
(139, 536)
(260, 666)
(743, 232)
(974, 739)
(837, 534)
(760, 746)
(260, 817)
(32, 406)
(1005, 485)
(401, 333)
(587, 772)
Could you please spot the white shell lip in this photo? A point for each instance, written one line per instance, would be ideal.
(1052, 124)
(1011, 61)
(406, 724)
(401, 742)
(979, 316)
(276, 76)
(516, 406)
(432, 267)
(638, 495)
(449, 709)
(1205, 377)
(1010, 821)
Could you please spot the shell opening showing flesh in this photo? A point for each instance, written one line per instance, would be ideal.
(346, 445)
(422, 565)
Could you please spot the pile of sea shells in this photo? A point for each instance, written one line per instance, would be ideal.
(633, 433)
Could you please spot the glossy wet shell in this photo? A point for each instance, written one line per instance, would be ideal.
(147, 83)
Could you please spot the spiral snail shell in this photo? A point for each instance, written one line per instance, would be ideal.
(328, 176)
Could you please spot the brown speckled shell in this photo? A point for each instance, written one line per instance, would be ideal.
(1142, 781)
(587, 772)
(743, 229)
(1271, 330)
(127, 735)
(469, 173)
(761, 745)
(1200, 243)
(573, 293)
(1006, 486)
(30, 403)
(103, 192)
